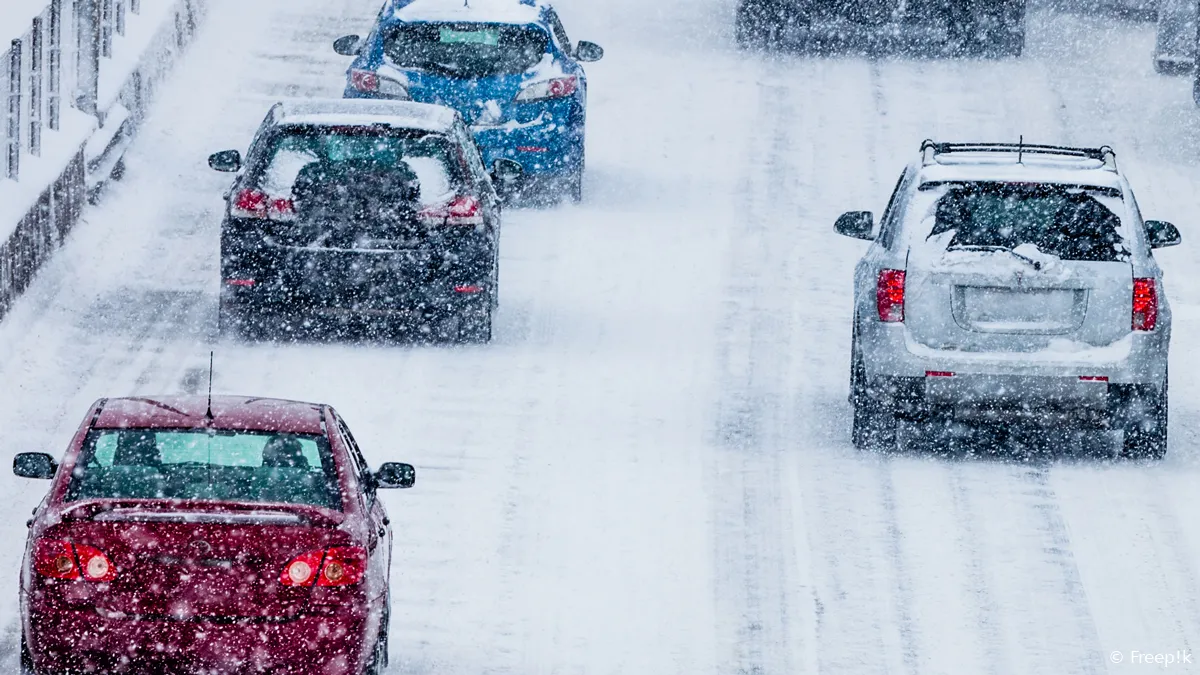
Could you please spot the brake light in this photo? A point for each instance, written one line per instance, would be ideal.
(339, 566)
(460, 211)
(364, 81)
(938, 373)
(1145, 304)
(64, 560)
(889, 296)
(1093, 378)
(251, 203)
(547, 89)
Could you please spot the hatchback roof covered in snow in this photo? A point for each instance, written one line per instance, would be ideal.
(357, 112)
(480, 11)
(228, 412)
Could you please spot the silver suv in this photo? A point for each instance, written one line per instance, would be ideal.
(1011, 283)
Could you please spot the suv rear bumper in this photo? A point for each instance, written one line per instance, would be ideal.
(1083, 386)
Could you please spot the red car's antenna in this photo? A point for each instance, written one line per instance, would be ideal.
(209, 414)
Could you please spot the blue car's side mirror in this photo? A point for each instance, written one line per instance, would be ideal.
(588, 51)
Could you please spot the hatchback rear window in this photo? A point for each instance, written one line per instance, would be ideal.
(232, 466)
(466, 50)
(1072, 223)
(300, 155)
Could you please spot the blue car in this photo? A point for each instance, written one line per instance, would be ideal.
(507, 66)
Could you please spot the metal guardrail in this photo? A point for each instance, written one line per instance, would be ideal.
(50, 58)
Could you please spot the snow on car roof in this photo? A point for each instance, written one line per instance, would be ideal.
(351, 112)
(481, 11)
(229, 412)
(992, 166)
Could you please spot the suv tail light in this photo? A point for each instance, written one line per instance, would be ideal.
(460, 211)
(561, 87)
(1145, 304)
(338, 566)
(889, 296)
(63, 560)
(365, 81)
(251, 203)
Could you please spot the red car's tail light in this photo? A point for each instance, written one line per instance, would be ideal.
(338, 566)
(889, 296)
(344, 566)
(1145, 304)
(461, 211)
(63, 560)
(94, 565)
(303, 569)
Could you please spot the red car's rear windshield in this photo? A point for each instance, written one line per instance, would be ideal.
(236, 466)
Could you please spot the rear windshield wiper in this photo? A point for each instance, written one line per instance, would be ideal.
(1037, 264)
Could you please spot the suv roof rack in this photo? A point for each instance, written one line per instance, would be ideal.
(931, 149)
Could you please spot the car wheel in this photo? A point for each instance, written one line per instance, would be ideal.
(759, 24)
(874, 426)
(1146, 434)
(379, 656)
(574, 186)
(26, 657)
(475, 323)
(240, 322)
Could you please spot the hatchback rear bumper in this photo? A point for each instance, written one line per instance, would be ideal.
(85, 641)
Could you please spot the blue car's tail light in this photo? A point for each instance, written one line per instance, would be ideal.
(561, 87)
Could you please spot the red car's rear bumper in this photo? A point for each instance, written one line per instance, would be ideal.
(62, 640)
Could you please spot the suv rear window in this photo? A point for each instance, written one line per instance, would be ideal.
(466, 50)
(206, 465)
(1072, 223)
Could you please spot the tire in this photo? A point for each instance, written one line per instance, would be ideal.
(239, 322)
(379, 655)
(475, 323)
(574, 186)
(874, 426)
(1146, 436)
(26, 658)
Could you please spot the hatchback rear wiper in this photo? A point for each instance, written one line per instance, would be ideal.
(1037, 264)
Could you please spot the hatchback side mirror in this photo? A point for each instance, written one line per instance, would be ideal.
(1162, 234)
(37, 465)
(396, 475)
(228, 161)
(856, 224)
(347, 45)
(588, 51)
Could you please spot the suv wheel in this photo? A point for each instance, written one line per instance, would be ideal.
(475, 323)
(875, 424)
(1146, 431)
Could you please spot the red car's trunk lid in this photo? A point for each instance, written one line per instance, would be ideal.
(200, 564)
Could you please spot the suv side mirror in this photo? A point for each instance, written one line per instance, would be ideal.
(856, 224)
(1162, 234)
(36, 465)
(347, 45)
(228, 161)
(506, 174)
(395, 475)
(588, 51)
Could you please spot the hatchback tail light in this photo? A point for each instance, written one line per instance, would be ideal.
(251, 203)
(63, 560)
(889, 296)
(338, 566)
(460, 211)
(365, 81)
(1145, 304)
(561, 87)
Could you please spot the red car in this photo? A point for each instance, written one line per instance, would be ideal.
(181, 536)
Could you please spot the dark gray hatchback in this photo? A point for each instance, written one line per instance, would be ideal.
(345, 213)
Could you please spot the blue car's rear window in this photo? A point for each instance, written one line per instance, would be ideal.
(466, 50)
(202, 464)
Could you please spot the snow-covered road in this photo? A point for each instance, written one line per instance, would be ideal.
(650, 471)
